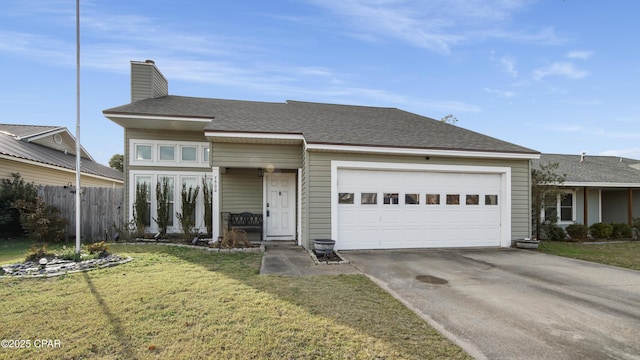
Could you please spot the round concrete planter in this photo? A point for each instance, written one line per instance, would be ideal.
(527, 244)
(323, 247)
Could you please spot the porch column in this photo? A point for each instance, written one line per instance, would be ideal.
(630, 206)
(215, 203)
(585, 208)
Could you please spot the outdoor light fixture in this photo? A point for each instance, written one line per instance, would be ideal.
(260, 172)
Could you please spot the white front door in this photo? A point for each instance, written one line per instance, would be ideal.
(280, 206)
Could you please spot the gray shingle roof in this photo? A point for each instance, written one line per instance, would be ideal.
(594, 169)
(324, 123)
(26, 131)
(22, 149)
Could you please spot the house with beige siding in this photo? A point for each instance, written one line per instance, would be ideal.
(46, 155)
(367, 177)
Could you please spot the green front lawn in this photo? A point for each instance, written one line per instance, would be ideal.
(182, 303)
(13, 250)
(625, 254)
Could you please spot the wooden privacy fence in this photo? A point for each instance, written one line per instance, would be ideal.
(101, 208)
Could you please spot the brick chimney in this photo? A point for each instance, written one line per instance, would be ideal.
(147, 81)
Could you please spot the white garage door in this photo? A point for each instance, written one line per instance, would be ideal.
(384, 209)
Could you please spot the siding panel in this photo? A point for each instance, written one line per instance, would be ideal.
(256, 155)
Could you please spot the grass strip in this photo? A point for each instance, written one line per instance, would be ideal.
(624, 254)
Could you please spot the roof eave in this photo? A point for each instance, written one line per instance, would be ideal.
(159, 122)
(228, 136)
(423, 151)
(600, 184)
(60, 168)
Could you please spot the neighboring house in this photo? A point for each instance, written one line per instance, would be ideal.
(368, 177)
(45, 155)
(610, 184)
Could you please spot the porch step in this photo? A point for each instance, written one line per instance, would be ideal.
(280, 244)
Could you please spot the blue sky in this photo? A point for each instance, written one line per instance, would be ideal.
(558, 76)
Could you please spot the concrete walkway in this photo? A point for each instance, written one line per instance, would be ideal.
(286, 258)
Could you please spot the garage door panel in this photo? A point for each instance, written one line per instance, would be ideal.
(411, 223)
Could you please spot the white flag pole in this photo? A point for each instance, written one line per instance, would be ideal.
(78, 148)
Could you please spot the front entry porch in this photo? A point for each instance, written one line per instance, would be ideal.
(271, 196)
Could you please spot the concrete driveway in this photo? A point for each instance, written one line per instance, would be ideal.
(515, 304)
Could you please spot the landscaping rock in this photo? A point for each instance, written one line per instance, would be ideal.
(55, 267)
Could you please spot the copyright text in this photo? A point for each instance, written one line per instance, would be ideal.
(29, 343)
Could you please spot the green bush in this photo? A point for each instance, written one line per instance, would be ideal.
(98, 248)
(38, 252)
(551, 231)
(621, 231)
(41, 222)
(577, 232)
(636, 226)
(187, 216)
(601, 230)
(164, 194)
(12, 190)
(68, 253)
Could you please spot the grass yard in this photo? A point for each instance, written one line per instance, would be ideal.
(181, 303)
(625, 254)
(13, 250)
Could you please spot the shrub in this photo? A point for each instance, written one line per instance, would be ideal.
(12, 190)
(600, 230)
(577, 232)
(140, 208)
(636, 226)
(187, 216)
(207, 190)
(621, 231)
(100, 247)
(42, 222)
(68, 253)
(164, 193)
(551, 231)
(38, 252)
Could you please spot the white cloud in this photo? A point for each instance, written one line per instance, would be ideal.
(557, 127)
(582, 55)
(509, 64)
(434, 25)
(504, 94)
(565, 69)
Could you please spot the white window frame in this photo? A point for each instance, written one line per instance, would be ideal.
(134, 154)
(160, 146)
(559, 209)
(178, 177)
(177, 159)
(195, 152)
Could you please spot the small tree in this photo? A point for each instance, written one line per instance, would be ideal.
(140, 208)
(42, 222)
(450, 119)
(187, 216)
(545, 184)
(162, 198)
(11, 191)
(117, 162)
(207, 190)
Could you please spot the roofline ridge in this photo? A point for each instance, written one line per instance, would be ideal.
(346, 105)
